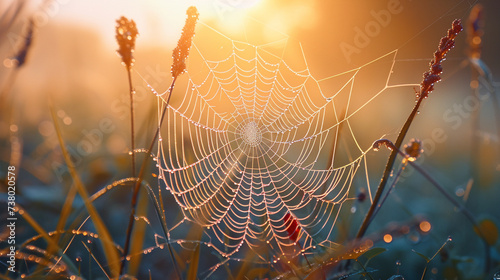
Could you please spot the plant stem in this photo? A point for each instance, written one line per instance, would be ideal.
(475, 123)
(426, 87)
(393, 185)
(435, 254)
(388, 169)
(460, 207)
(364, 269)
(132, 133)
(450, 198)
(496, 109)
(137, 187)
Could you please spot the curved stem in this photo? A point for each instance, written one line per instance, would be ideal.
(430, 78)
(388, 169)
(461, 208)
(450, 198)
(393, 185)
(137, 187)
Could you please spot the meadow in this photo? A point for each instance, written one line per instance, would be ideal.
(249, 140)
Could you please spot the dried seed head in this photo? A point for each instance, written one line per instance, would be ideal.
(126, 32)
(20, 58)
(361, 196)
(475, 31)
(413, 149)
(433, 75)
(181, 52)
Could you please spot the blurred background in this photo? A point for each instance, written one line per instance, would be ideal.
(72, 66)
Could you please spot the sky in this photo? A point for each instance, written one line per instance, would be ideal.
(323, 34)
(319, 25)
(158, 21)
(327, 27)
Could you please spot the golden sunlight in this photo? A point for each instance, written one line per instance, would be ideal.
(230, 139)
(155, 17)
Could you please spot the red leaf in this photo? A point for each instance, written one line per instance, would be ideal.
(292, 228)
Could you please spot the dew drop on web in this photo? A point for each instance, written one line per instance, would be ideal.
(273, 128)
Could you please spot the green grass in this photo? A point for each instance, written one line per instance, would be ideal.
(102, 221)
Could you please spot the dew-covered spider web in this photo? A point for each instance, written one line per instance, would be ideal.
(262, 154)
(250, 149)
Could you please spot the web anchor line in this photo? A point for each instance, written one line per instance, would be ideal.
(246, 148)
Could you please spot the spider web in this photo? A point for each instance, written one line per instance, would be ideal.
(264, 157)
(250, 149)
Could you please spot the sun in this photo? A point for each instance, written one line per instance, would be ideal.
(231, 14)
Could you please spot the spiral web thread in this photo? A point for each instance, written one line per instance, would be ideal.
(249, 150)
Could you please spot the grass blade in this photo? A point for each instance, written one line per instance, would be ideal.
(27, 217)
(112, 256)
(193, 267)
(138, 234)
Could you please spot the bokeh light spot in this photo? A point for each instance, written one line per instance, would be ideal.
(387, 238)
(425, 226)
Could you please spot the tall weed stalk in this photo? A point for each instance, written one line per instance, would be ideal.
(426, 87)
(180, 55)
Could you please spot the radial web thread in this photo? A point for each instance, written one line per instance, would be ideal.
(249, 149)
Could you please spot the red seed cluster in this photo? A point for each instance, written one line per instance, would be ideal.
(126, 32)
(181, 52)
(433, 75)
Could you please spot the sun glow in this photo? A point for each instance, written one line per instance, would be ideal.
(159, 22)
(225, 13)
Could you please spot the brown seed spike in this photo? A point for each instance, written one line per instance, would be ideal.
(126, 32)
(181, 52)
(433, 75)
(436, 69)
